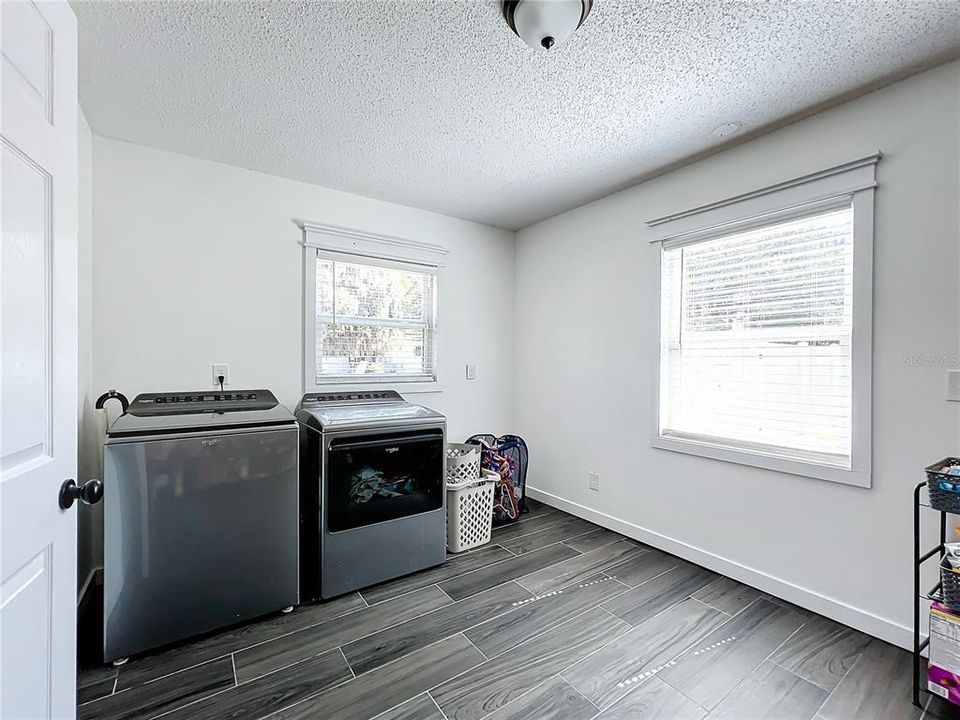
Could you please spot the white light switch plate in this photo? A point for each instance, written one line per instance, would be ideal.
(471, 371)
(953, 385)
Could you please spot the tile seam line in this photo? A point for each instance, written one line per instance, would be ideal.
(94, 682)
(482, 653)
(241, 649)
(555, 676)
(566, 540)
(650, 579)
(580, 694)
(597, 572)
(437, 583)
(437, 586)
(463, 631)
(236, 687)
(285, 667)
(356, 639)
(685, 648)
(844, 677)
(391, 709)
(434, 687)
(712, 607)
(752, 671)
(437, 706)
(676, 657)
(486, 567)
(545, 527)
(660, 612)
(361, 675)
(559, 672)
(193, 702)
(162, 677)
(641, 551)
(353, 675)
(766, 660)
(505, 611)
(559, 623)
(333, 686)
(794, 672)
(520, 697)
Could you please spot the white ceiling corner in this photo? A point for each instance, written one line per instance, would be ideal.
(437, 105)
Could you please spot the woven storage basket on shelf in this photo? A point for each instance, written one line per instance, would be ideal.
(463, 462)
(950, 585)
(470, 512)
(944, 489)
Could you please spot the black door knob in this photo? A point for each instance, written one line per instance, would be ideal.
(88, 493)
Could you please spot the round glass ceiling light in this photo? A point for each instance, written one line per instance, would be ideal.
(545, 23)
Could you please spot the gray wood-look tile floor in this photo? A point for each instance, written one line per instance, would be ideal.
(557, 619)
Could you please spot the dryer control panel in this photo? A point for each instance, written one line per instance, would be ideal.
(351, 397)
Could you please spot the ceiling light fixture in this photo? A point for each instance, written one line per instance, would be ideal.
(545, 23)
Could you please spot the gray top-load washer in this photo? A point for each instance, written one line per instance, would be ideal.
(200, 516)
(373, 500)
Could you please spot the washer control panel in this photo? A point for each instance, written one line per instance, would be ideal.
(149, 404)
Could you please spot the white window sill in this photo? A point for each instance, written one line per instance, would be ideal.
(858, 478)
(404, 388)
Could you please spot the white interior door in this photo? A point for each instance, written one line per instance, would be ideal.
(38, 358)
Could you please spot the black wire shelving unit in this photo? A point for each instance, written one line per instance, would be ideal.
(920, 556)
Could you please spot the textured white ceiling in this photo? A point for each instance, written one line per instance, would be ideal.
(438, 105)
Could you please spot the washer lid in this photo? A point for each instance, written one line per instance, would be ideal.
(337, 417)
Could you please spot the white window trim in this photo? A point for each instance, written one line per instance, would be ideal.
(346, 245)
(852, 182)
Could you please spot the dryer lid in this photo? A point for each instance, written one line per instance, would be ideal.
(338, 417)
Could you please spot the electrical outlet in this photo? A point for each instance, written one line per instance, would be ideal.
(953, 385)
(471, 371)
(218, 370)
(594, 480)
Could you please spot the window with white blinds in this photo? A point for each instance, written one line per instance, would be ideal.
(375, 321)
(756, 339)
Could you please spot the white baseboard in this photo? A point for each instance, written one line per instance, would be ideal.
(867, 622)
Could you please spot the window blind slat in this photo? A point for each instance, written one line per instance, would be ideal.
(756, 337)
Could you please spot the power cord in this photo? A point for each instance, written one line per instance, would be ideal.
(220, 379)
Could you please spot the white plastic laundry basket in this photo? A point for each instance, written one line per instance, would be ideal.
(463, 463)
(470, 512)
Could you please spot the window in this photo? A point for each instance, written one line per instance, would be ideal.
(375, 321)
(765, 314)
(756, 334)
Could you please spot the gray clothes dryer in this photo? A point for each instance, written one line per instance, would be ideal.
(200, 516)
(373, 492)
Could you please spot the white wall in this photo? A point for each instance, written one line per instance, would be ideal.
(586, 364)
(196, 262)
(89, 519)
